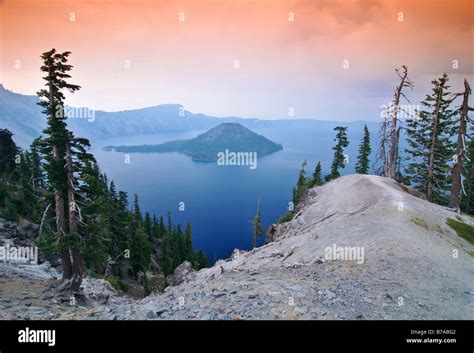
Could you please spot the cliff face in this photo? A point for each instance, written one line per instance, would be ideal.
(361, 247)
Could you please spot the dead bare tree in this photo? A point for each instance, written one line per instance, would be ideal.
(381, 151)
(393, 127)
(461, 147)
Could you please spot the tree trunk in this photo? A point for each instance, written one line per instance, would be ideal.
(391, 169)
(77, 265)
(393, 143)
(434, 136)
(382, 150)
(60, 226)
(59, 201)
(455, 201)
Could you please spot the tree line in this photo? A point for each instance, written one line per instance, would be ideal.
(438, 160)
(83, 218)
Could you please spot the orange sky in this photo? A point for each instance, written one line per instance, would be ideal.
(283, 64)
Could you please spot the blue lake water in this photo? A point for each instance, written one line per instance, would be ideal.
(220, 201)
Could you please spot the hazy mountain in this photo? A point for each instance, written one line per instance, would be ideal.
(232, 137)
(20, 114)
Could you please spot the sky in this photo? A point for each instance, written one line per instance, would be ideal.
(268, 59)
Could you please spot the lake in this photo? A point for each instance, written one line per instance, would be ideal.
(220, 201)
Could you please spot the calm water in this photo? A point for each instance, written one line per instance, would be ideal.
(220, 201)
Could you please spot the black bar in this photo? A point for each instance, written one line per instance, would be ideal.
(307, 336)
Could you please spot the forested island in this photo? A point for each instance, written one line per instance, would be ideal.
(206, 147)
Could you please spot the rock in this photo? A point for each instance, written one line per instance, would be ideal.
(328, 294)
(299, 311)
(236, 254)
(161, 311)
(270, 235)
(151, 315)
(157, 283)
(181, 273)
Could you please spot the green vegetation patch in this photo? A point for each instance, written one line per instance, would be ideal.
(117, 284)
(464, 230)
(420, 222)
(287, 217)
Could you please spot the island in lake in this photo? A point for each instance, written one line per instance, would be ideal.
(206, 147)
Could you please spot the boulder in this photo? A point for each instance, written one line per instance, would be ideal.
(181, 273)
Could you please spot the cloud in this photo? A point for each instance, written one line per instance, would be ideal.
(282, 63)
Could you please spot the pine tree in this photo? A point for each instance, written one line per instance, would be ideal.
(161, 228)
(147, 224)
(37, 168)
(139, 246)
(55, 145)
(137, 214)
(189, 243)
(8, 152)
(201, 260)
(362, 165)
(94, 226)
(95, 211)
(29, 200)
(430, 146)
(317, 177)
(339, 160)
(301, 186)
(168, 216)
(166, 261)
(257, 228)
(120, 225)
(146, 286)
(180, 246)
(154, 227)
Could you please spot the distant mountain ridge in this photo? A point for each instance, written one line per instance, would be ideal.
(206, 147)
(20, 114)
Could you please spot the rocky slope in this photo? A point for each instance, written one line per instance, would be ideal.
(409, 271)
(32, 291)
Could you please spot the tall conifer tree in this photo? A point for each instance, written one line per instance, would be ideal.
(362, 165)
